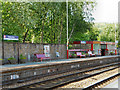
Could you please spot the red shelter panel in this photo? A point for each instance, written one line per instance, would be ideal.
(76, 42)
(91, 47)
(89, 42)
(96, 42)
(102, 42)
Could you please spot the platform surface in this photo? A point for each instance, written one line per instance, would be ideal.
(36, 63)
(113, 86)
(59, 61)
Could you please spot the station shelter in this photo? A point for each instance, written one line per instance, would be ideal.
(101, 48)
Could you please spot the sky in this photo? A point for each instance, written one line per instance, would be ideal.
(106, 11)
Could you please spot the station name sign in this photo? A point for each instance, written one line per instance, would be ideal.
(116, 42)
(10, 37)
(83, 42)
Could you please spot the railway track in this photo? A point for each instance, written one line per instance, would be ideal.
(66, 79)
(100, 83)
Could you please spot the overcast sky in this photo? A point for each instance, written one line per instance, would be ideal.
(106, 11)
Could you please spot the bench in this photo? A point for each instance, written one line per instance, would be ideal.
(90, 53)
(80, 54)
(41, 56)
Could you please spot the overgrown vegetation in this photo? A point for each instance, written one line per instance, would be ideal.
(45, 22)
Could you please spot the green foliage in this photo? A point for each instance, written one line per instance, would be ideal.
(83, 53)
(107, 32)
(104, 32)
(45, 22)
(86, 54)
(22, 57)
(75, 55)
(70, 46)
(11, 58)
(119, 43)
(118, 35)
(80, 19)
(111, 53)
(72, 54)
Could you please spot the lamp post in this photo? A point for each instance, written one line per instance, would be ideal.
(115, 42)
(67, 29)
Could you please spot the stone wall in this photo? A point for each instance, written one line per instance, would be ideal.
(0, 54)
(28, 50)
(0, 50)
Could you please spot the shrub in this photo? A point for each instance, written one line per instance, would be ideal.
(72, 54)
(75, 55)
(11, 58)
(111, 53)
(70, 46)
(86, 54)
(83, 53)
(22, 57)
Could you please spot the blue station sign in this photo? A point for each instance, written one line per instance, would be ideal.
(10, 37)
(83, 42)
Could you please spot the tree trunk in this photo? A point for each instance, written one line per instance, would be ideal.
(61, 32)
(25, 35)
(54, 37)
(58, 31)
(71, 32)
(42, 32)
(54, 30)
(51, 30)
(33, 39)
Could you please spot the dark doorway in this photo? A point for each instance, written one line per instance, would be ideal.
(102, 52)
(103, 48)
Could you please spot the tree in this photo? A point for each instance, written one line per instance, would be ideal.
(107, 32)
(80, 19)
(45, 22)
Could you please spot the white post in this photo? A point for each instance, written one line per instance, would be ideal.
(67, 28)
(115, 42)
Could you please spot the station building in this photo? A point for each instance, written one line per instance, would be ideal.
(101, 48)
